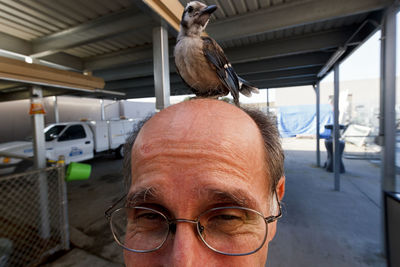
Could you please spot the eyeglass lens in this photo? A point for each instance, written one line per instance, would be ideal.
(225, 230)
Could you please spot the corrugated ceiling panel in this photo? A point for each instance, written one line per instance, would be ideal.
(139, 38)
(230, 8)
(296, 31)
(29, 19)
(253, 5)
(15, 32)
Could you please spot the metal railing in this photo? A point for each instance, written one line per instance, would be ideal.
(33, 216)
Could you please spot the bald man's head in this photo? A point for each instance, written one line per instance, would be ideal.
(209, 163)
(199, 128)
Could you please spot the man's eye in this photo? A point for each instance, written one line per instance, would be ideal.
(226, 217)
(190, 9)
(149, 216)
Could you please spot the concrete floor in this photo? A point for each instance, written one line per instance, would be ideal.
(320, 226)
(323, 227)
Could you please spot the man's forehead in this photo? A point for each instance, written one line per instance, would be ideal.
(202, 119)
(197, 138)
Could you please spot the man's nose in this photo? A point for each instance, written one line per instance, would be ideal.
(186, 247)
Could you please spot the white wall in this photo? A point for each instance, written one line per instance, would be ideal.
(132, 109)
(15, 121)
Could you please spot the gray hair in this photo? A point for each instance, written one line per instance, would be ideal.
(268, 129)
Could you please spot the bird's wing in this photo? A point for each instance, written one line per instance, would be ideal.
(215, 55)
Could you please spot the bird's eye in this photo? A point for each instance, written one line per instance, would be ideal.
(190, 9)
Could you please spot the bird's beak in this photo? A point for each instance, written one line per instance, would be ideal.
(209, 10)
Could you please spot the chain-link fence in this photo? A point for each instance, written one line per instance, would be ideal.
(33, 216)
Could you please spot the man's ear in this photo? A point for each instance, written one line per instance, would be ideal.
(280, 188)
(280, 191)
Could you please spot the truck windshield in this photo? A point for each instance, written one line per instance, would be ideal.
(54, 131)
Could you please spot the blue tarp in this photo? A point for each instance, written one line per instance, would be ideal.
(301, 120)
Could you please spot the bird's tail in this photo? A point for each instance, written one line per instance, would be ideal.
(247, 88)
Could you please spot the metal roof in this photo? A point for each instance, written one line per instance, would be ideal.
(272, 43)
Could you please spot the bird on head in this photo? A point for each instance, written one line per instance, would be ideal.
(201, 62)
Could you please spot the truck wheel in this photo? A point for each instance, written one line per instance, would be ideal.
(119, 152)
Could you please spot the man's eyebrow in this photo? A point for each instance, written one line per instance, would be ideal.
(235, 197)
(141, 195)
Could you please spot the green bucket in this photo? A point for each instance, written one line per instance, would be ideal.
(78, 171)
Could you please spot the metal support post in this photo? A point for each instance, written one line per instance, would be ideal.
(316, 88)
(161, 67)
(336, 153)
(121, 106)
(39, 148)
(267, 101)
(64, 201)
(387, 118)
(56, 115)
(103, 115)
(388, 101)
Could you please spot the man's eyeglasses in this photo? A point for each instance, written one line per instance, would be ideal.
(234, 231)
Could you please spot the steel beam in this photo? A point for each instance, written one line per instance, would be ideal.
(269, 49)
(39, 159)
(181, 89)
(284, 63)
(139, 82)
(15, 45)
(169, 10)
(332, 61)
(175, 79)
(177, 84)
(137, 54)
(126, 72)
(105, 27)
(65, 60)
(325, 40)
(291, 14)
(161, 67)
(336, 128)
(296, 62)
(317, 96)
(286, 83)
(19, 46)
(388, 101)
(275, 75)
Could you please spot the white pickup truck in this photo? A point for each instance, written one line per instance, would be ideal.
(76, 141)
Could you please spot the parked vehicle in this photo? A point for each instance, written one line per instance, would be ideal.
(76, 141)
